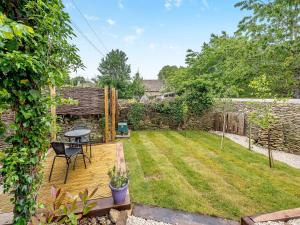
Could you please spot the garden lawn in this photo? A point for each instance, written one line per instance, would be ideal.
(186, 170)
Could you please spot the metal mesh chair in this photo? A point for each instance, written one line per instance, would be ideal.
(86, 140)
(68, 153)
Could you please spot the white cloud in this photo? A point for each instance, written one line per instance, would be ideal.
(171, 3)
(91, 18)
(205, 3)
(111, 22)
(120, 4)
(130, 39)
(152, 45)
(139, 31)
(168, 4)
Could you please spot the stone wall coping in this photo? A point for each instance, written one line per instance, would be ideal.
(290, 101)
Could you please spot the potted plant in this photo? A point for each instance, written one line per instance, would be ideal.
(118, 184)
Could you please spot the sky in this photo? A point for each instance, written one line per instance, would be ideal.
(152, 33)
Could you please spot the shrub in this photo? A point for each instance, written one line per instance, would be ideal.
(196, 95)
(136, 114)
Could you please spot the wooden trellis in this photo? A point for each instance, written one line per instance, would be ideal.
(91, 101)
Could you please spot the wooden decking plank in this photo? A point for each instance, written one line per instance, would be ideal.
(105, 156)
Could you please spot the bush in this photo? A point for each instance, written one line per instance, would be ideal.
(174, 111)
(136, 114)
(196, 95)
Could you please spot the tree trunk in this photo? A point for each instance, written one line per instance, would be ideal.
(269, 150)
(249, 146)
(224, 129)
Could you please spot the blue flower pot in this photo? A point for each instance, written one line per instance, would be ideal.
(119, 194)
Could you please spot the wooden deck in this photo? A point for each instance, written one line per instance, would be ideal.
(95, 175)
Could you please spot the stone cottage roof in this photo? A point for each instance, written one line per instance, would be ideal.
(153, 85)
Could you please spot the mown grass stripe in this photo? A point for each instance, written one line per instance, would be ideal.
(186, 195)
(225, 206)
(259, 177)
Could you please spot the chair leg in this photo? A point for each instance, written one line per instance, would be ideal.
(52, 168)
(67, 170)
(83, 156)
(74, 162)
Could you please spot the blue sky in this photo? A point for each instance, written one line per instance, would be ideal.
(152, 33)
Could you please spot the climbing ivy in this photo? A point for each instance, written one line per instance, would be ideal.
(34, 53)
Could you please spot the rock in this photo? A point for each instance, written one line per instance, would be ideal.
(122, 218)
(113, 215)
(102, 220)
(94, 221)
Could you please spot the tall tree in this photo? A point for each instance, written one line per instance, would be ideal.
(275, 25)
(34, 53)
(115, 72)
(137, 86)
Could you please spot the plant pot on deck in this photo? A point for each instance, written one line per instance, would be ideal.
(119, 194)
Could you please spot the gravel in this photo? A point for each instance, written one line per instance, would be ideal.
(288, 158)
(132, 220)
(290, 222)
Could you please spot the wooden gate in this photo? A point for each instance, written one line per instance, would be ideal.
(235, 122)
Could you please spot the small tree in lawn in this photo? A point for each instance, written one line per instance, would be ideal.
(263, 115)
(224, 102)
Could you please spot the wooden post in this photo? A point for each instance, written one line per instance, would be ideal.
(53, 113)
(117, 109)
(113, 114)
(106, 112)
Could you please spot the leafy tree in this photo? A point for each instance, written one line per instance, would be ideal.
(196, 94)
(275, 25)
(115, 72)
(34, 53)
(137, 86)
(167, 72)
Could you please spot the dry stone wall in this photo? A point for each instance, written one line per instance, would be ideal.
(285, 134)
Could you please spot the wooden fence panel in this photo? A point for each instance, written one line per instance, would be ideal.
(235, 122)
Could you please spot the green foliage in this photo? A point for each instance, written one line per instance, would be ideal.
(137, 87)
(196, 95)
(115, 72)
(136, 114)
(34, 53)
(118, 178)
(167, 72)
(174, 110)
(58, 212)
(275, 26)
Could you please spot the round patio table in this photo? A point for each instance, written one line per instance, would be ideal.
(77, 134)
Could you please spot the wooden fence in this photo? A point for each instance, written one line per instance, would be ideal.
(235, 122)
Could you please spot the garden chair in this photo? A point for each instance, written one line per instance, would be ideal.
(86, 140)
(67, 152)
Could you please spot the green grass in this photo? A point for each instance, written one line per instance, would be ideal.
(186, 170)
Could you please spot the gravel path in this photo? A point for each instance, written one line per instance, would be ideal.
(132, 220)
(288, 158)
(290, 222)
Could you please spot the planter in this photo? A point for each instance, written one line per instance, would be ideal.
(119, 194)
